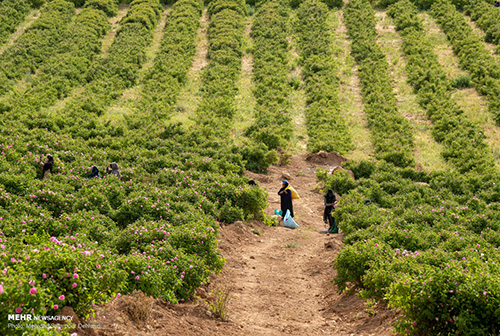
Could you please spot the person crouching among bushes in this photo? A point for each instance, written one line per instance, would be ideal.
(46, 166)
(330, 201)
(113, 169)
(286, 199)
(94, 172)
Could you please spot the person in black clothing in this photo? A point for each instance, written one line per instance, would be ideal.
(46, 166)
(94, 172)
(497, 3)
(251, 183)
(330, 201)
(286, 198)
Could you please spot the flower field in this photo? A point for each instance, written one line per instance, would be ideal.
(427, 245)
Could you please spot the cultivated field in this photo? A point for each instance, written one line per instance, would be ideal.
(192, 100)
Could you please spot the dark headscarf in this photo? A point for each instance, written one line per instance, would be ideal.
(114, 170)
(94, 173)
(49, 164)
(330, 196)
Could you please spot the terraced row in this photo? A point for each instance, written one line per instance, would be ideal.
(168, 74)
(273, 125)
(326, 127)
(225, 34)
(39, 42)
(68, 68)
(470, 49)
(391, 135)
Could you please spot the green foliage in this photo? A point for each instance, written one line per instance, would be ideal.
(326, 127)
(428, 245)
(165, 79)
(273, 124)
(329, 3)
(109, 7)
(62, 72)
(225, 35)
(472, 54)
(258, 157)
(392, 135)
(38, 43)
(270, 220)
(12, 12)
(463, 141)
(461, 82)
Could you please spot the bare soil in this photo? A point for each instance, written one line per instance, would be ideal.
(280, 279)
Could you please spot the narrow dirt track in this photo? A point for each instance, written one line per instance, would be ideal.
(280, 279)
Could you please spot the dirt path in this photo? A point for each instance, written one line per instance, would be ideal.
(280, 278)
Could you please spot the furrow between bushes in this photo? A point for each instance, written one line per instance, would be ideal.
(245, 100)
(225, 35)
(392, 135)
(12, 13)
(60, 74)
(463, 140)
(273, 123)
(326, 126)
(474, 57)
(39, 42)
(162, 84)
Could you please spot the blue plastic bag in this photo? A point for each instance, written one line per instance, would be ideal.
(289, 222)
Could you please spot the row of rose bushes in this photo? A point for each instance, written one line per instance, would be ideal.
(391, 133)
(215, 114)
(463, 141)
(428, 245)
(68, 67)
(175, 184)
(168, 74)
(472, 53)
(326, 127)
(108, 77)
(225, 36)
(38, 43)
(174, 181)
(486, 17)
(273, 123)
(12, 13)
